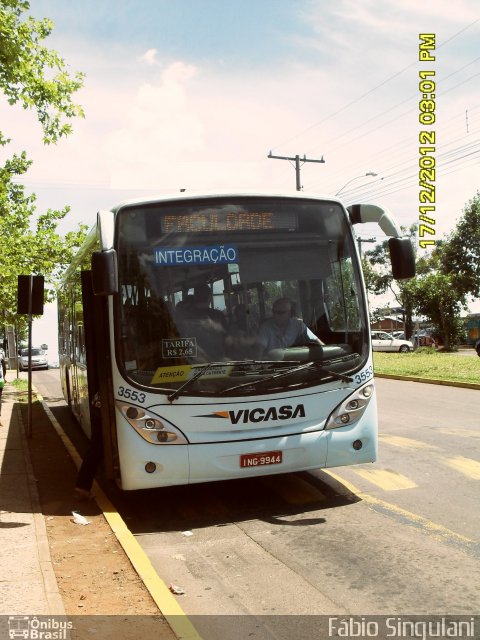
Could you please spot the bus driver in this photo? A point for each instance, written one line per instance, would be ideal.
(283, 330)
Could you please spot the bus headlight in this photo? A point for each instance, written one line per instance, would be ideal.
(352, 408)
(152, 428)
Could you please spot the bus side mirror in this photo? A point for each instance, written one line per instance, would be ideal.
(104, 272)
(402, 258)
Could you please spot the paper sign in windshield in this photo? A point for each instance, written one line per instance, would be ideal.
(172, 374)
(187, 371)
(181, 256)
(179, 348)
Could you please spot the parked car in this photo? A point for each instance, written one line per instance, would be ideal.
(477, 347)
(39, 359)
(383, 341)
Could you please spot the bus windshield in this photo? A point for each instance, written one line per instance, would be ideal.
(237, 295)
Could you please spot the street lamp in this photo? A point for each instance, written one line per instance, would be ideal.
(369, 173)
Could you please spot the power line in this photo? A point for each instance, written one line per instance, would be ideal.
(349, 104)
(415, 107)
(452, 124)
(411, 181)
(406, 143)
(449, 156)
(399, 104)
(461, 156)
(381, 84)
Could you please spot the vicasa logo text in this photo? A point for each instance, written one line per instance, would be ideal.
(261, 414)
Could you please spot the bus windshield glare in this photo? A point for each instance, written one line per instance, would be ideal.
(239, 294)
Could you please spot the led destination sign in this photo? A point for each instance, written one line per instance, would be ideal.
(224, 220)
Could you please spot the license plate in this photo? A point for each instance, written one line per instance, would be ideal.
(260, 459)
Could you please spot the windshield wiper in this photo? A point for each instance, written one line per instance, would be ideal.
(188, 383)
(288, 372)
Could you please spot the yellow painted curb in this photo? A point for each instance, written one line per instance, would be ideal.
(446, 383)
(169, 607)
(167, 604)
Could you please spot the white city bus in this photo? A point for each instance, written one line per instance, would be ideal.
(165, 311)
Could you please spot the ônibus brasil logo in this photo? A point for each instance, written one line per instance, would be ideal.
(38, 628)
(260, 414)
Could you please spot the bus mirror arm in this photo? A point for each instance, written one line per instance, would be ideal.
(402, 255)
(361, 213)
(104, 272)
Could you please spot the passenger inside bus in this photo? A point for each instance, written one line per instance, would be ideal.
(183, 309)
(201, 307)
(283, 330)
(240, 340)
(208, 325)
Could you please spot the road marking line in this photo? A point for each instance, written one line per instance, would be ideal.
(168, 606)
(469, 468)
(405, 443)
(385, 479)
(419, 522)
(462, 432)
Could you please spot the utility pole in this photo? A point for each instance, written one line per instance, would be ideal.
(360, 240)
(297, 161)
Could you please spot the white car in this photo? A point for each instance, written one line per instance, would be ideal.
(383, 341)
(39, 359)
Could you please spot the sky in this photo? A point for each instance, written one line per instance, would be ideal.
(194, 94)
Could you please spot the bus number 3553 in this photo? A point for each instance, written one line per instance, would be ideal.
(131, 394)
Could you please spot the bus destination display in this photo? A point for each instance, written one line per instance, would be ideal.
(225, 220)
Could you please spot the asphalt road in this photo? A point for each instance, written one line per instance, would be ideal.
(397, 537)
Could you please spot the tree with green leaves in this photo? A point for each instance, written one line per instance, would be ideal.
(434, 293)
(34, 77)
(460, 254)
(452, 274)
(434, 296)
(377, 273)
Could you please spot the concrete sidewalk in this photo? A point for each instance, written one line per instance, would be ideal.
(28, 585)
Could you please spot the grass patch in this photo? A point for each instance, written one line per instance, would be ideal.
(19, 383)
(427, 363)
